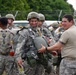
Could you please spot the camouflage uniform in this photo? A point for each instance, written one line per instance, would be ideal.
(68, 51)
(28, 69)
(68, 66)
(25, 44)
(44, 30)
(14, 30)
(11, 26)
(16, 36)
(6, 61)
(47, 35)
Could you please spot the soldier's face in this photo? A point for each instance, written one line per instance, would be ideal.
(65, 23)
(33, 22)
(40, 23)
(10, 21)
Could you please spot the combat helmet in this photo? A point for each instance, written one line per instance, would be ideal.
(32, 15)
(10, 16)
(55, 25)
(41, 17)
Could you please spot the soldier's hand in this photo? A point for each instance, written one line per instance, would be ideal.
(20, 62)
(42, 49)
(54, 53)
(48, 39)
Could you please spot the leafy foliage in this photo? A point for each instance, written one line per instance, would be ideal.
(50, 8)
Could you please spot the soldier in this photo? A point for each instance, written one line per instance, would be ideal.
(44, 30)
(59, 30)
(58, 33)
(67, 45)
(55, 25)
(11, 26)
(50, 40)
(7, 61)
(32, 62)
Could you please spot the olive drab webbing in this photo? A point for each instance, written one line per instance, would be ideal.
(5, 41)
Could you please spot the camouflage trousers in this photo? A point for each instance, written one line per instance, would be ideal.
(8, 65)
(68, 66)
(36, 70)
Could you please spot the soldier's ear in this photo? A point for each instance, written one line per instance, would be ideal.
(0, 23)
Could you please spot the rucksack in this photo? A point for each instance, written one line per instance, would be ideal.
(6, 38)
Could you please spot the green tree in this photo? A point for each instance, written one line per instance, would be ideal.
(50, 8)
(11, 6)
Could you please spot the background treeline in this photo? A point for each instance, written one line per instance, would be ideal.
(50, 8)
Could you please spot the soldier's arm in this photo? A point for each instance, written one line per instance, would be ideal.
(21, 41)
(11, 39)
(47, 33)
(50, 37)
(56, 46)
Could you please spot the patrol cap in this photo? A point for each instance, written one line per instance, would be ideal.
(4, 21)
(32, 15)
(10, 16)
(41, 17)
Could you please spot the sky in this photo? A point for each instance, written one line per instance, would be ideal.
(73, 2)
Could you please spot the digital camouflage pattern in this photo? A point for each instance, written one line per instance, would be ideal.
(68, 66)
(7, 62)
